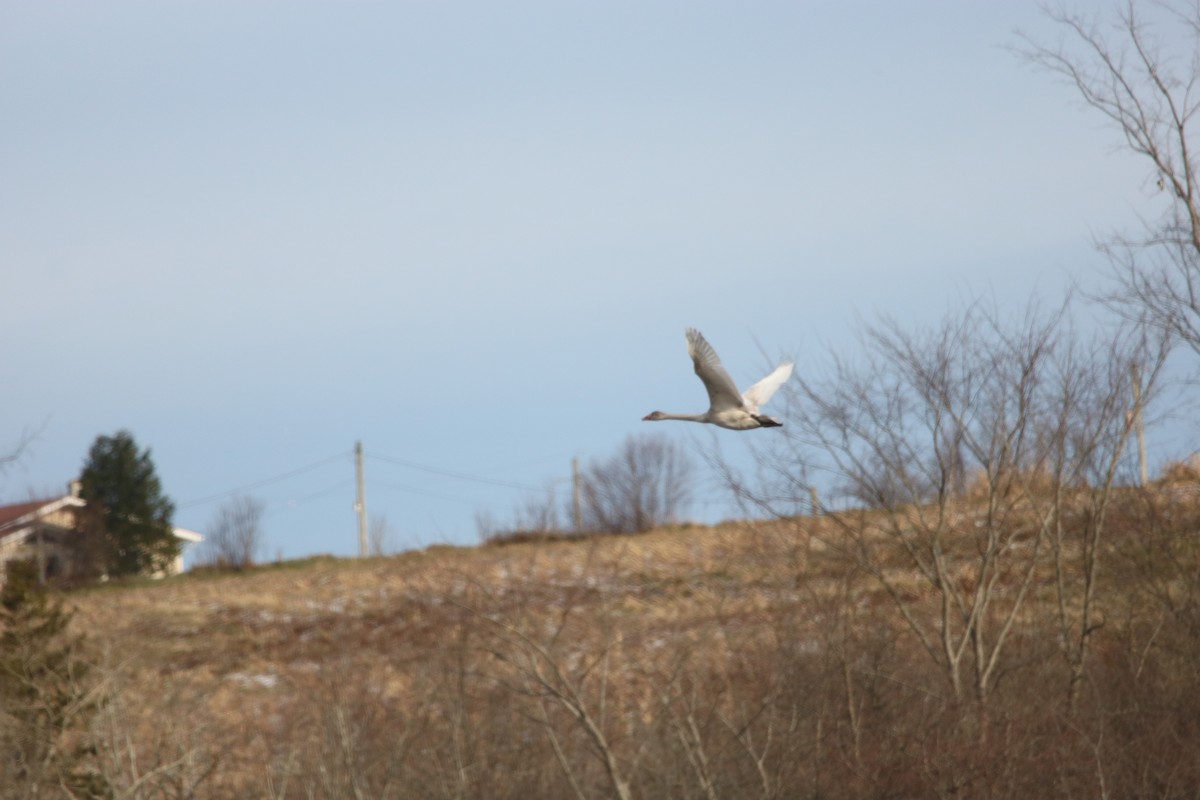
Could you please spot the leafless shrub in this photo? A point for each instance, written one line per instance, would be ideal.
(646, 484)
(357, 743)
(380, 535)
(1180, 473)
(161, 747)
(537, 518)
(235, 535)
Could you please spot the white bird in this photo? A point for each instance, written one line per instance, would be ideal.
(727, 407)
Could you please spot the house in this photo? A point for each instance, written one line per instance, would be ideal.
(39, 530)
(43, 530)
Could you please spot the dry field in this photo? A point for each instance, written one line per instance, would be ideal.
(743, 660)
(236, 672)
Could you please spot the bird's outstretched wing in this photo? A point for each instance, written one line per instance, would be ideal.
(722, 391)
(758, 394)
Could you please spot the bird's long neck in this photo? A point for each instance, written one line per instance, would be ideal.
(686, 417)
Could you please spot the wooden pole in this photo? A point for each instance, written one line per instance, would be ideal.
(360, 504)
(1139, 425)
(577, 500)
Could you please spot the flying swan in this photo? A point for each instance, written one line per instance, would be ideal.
(727, 407)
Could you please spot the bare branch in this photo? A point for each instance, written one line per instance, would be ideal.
(1143, 77)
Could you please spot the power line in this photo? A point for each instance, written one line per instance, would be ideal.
(398, 487)
(462, 476)
(328, 490)
(277, 506)
(264, 482)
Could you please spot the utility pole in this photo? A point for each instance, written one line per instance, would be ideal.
(360, 505)
(576, 490)
(1139, 424)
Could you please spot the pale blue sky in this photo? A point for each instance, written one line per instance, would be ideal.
(471, 234)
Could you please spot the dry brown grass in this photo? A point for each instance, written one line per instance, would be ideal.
(741, 660)
(241, 650)
(287, 617)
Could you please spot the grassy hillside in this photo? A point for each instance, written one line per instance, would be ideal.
(242, 671)
(744, 660)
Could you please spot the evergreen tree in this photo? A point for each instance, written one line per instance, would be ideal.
(45, 700)
(121, 483)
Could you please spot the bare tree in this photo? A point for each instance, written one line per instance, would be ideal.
(537, 517)
(1098, 391)
(539, 513)
(647, 483)
(1140, 68)
(959, 453)
(235, 535)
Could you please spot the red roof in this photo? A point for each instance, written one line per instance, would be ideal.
(14, 512)
(11, 513)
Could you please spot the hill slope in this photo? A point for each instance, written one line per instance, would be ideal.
(745, 660)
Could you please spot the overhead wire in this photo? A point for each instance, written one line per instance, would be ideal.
(462, 476)
(397, 487)
(328, 490)
(402, 462)
(264, 482)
